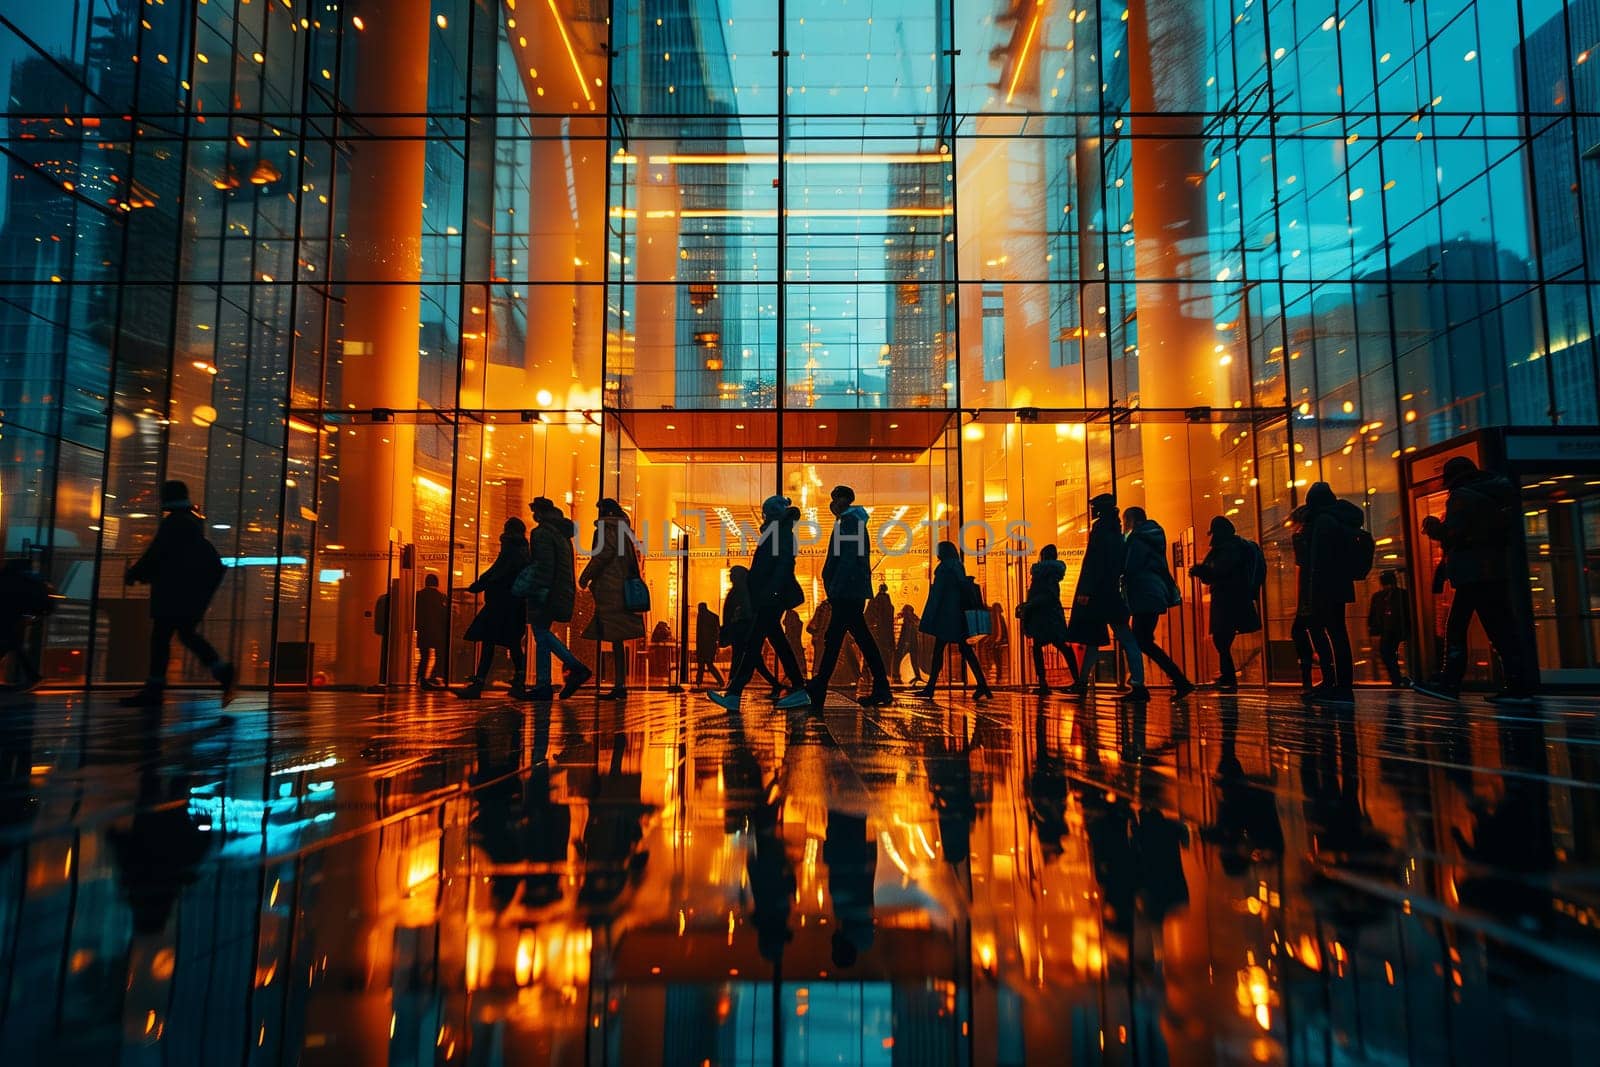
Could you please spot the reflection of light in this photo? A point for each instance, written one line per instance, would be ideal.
(432, 486)
(561, 27)
(263, 561)
(802, 159)
(1022, 57)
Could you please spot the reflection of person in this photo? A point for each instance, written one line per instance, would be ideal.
(183, 571)
(945, 621)
(706, 632)
(1479, 533)
(1247, 829)
(158, 854)
(852, 859)
(1151, 592)
(847, 581)
(1044, 621)
(1389, 620)
(906, 646)
(1230, 569)
(880, 620)
(502, 621)
(615, 561)
(1097, 604)
(553, 597)
(433, 632)
(612, 835)
(996, 644)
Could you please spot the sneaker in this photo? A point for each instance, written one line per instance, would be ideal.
(224, 674)
(1137, 691)
(1438, 690)
(540, 693)
(1182, 688)
(471, 691)
(1226, 685)
(1511, 695)
(575, 679)
(727, 700)
(797, 699)
(878, 698)
(147, 696)
(1334, 695)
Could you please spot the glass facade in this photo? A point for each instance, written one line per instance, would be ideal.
(371, 275)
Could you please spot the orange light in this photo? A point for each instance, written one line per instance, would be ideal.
(561, 27)
(1027, 43)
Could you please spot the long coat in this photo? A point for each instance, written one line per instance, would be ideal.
(942, 616)
(1145, 580)
(1098, 603)
(1324, 583)
(550, 554)
(1226, 569)
(503, 617)
(615, 560)
(1043, 618)
(181, 566)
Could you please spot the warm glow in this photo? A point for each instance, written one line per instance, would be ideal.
(561, 26)
(1022, 57)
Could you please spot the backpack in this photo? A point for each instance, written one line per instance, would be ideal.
(1255, 566)
(1358, 551)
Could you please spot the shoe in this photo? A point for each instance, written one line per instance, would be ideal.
(148, 696)
(925, 693)
(575, 679)
(616, 693)
(800, 698)
(1438, 690)
(520, 692)
(224, 674)
(728, 700)
(1042, 691)
(1076, 692)
(540, 694)
(471, 691)
(1182, 688)
(1333, 694)
(878, 698)
(983, 693)
(1137, 691)
(1517, 696)
(1229, 685)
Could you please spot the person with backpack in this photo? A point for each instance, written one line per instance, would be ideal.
(1328, 551)
(774, 590)
(738, 616)
(614, 563)
(1482, 556)
(1044, 620)
(1151, 592)
(26, 596)
(1097, 604)
(547, 584)
(502, 622)
(1389, 620)
(1235, 570)
(183, 571)
(944, 619)
(433, 632)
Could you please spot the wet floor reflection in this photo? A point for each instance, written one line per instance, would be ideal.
(345, 879)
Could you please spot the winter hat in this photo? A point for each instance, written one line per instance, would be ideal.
(1105, 502)
(516, 526)
(1320, 495)
(175, 497)
(774, 506)
(1221, 527)
(1458, 469)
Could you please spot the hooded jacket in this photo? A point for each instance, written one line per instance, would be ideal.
(1043, 618)
(1226, 569)
(1327, 524)
(942, 616)
(615, 560)
(1479, 528)
(772, 580)
(847, 573)
(504, 615)
(551, 557)
(182, 567)
(1145, 580)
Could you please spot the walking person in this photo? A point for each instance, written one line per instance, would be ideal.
(944, 619)
(1235, 570)
(502, 622)
(906, 645)
(999, 642)
(1097, 604)
(738, 617)
(1044, 621)
(847, 582)
(614, 562)
(552, 594)
(1389, 620)
(1151, 591)
(183, 571)
(433, 633)
(1323, 552)
(773, 591)
(26, 596)
(880, 620)
(1308, 654)
(1480, 533)
(707, 629)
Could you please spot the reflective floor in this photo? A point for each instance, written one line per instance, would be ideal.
(352, 879)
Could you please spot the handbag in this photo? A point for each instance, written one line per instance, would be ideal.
(522, 584)
(635, 595)
(979, 621)
(1174, 594)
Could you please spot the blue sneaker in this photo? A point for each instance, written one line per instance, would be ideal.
(728, 700)
(797, 699)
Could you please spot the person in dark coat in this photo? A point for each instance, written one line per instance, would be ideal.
(1326, 586)
(183, 571)
(847, 582)
(907, 644)
(553, 597)
(1227, 569)
(615, 560)
(706, 632)
(1307, 653)
(433, 632)
(773, 590)
(880, 620)
(1097, 605)
(1044, 622)
(1389, 620)
(1480, 534)
(1150, 591)
(738, 616)
(793, 636)
(502, 621)
(945, 621)
(25, 597)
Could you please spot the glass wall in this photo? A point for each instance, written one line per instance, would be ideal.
(982, 259)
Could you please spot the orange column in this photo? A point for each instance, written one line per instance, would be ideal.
(1176, 336)
(381, 335)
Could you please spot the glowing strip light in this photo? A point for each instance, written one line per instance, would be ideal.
(800, 213)
(561, 27)
(799, 159)
(1027, 43)
(263, 561)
